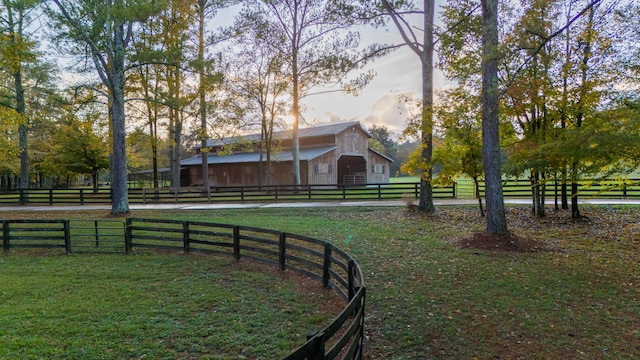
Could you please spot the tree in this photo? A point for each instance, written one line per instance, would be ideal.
(527, 98)
(106, 28)
(18, 50)
(173, 54)
(383, 136)
(538, 101)
(146, 80)
(423, 47)
(256, 79)
(461, 152)
(9, 146)
(318, 52)
(496, 220)
(206, 78)
(81, 150)
(420, 39)
(540, 90)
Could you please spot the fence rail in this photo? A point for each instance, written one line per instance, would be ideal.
(341, 339)
(225, 194)
(621, 189)
(518, 188)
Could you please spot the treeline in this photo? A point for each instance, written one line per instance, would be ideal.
(129, 85)
(569, 101)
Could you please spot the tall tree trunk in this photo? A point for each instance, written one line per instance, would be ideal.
(565, 107)
(152, 118)
(296, 105)
(175, 121)
(426, 188)
(496, 219)
(15, 26)
(586, 56)
(476, 184)
(110, 68)
(22, 132)
(153, 130)
(176, 149)
(575, 209)
(425, 54)
(96, 179)
(261, 153)
(201, 94)
(120, 195)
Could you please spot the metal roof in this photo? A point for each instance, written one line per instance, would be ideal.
(254, 157)
(331, 129)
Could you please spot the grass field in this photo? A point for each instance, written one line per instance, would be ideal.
(578, 298)
(155, 306)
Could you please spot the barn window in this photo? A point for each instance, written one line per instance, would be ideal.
(377, 168)
(323, 168)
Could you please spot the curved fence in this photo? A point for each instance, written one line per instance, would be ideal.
(319, 260)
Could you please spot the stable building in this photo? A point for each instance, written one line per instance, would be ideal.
(332, 154)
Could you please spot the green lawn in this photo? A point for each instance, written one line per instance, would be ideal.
(427, 299)
(154, 306)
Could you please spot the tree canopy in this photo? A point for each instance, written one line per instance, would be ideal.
(548, 91)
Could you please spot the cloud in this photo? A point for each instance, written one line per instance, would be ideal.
(391, 111)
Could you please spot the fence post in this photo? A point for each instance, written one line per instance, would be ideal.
(379, 192)
(416, 189)
(24, 196)
(351, 279)
(5, 235)
(327, 265)
(242, 193)
(455, 184)
(67, 236)
(81, 196)
(317, 353)
(185, 236)
(236, 242)
(128, 236)
(97, 233)
(50, 196)
(282, 253)
(362, 308)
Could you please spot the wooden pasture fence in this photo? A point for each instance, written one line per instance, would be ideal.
(341, 339)
(224, 194)
(617, 189)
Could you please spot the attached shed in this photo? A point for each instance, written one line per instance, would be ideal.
(332, 154)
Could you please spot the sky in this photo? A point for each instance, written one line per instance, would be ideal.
(397, 73)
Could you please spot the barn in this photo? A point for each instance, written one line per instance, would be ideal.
(330, 154)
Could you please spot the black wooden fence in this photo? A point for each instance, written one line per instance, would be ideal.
(627, 189)
(224, 194)
(617, 189)
(319, 260)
